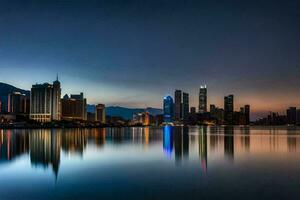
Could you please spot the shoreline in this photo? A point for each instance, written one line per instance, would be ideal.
(11, 127)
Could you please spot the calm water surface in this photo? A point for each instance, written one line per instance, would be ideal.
(151, 163)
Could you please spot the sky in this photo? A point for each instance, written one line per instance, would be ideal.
(133, 52)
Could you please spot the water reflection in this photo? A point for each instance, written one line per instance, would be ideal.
(45, 147)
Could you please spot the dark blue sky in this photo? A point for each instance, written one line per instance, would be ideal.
(132, 53)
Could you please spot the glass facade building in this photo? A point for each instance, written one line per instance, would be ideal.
(168, 109)
(203, 99)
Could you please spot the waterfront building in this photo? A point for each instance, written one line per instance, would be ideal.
(193, 110)
(247, 114)
(185, 105)
(291, 114)
(91, 117)
(56, 101)
(100, 113)
(168, 109)
(4, 104)
(239, 117)
(298, 117)
(142, 118)
(228, 109)
(45, 102)
(203, 99)
(216, 113)
(74, 107)
(178, 105)
(18, 103)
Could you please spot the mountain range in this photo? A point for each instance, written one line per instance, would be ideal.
(5, 89)
(124, 112)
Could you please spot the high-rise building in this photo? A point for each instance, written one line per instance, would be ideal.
(18, 103)
(291, 115)
(74, 107)
(45, 102)
(193, 110)
(212, 108)
(100, 113)
(40, 102)
(247, 114)
(228, 109)
(185, 105)
(298, 117)
(216, 113)
(168, 109)
(178, 105)
(56, 103)
(203, 99)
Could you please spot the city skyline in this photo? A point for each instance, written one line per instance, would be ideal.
(111, 51)
(236, 105)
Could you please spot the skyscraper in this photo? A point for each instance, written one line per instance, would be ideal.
(56, 103)
(291, 115)
(247, 114)
(45, 102)
(228, 109)
(185, 105)
(18, 103)
(100, 113)
(74, 107)
(178, 105)
(40, 102)
(203, 99)
(193, 110)
(168, 109)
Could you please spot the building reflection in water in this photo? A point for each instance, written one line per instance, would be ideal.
(12, 145)
(203, 148)
(229, 142)
(45, 148)
(168, 140)
(206, 143)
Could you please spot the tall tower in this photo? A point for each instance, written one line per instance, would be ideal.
(228, 109)
(41, 102)
(45, 102)
(185, 105)
(178, 105)
(56, 103)
(168, 109)
(247, 114)
(203, 99)
(100, 113)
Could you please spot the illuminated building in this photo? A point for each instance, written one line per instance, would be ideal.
(185, 105)
(168, 109)
(203, 99)
(56, 102)
(45, 102)
(178, 105)
(18, 103)
(142, 118)
(100, 113)
(74, 107)
(228, 109)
